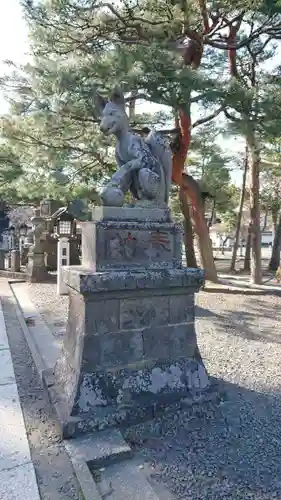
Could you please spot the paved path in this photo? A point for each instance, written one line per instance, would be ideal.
(17, 475)
(56, 479)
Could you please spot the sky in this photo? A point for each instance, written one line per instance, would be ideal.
(14, 46)
(13, 37)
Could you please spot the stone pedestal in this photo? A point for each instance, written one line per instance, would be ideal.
(24, 255)
(2, 258)
(130, 346)
(36, 269)
(15, 261)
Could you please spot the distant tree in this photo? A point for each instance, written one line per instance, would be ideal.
(271, 194)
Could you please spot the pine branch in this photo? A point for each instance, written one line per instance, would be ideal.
(208, 118)
(230, 116)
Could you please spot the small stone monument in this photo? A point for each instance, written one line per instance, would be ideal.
(15, 261)
(130, 346)
(36, 269)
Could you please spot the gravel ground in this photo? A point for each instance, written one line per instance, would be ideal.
(230, 450)
(53, 307)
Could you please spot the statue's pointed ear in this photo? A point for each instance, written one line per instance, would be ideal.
(117, 96)
(100, 103)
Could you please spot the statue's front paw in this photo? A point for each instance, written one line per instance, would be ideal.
(113, 197)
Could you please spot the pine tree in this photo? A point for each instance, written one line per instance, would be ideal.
(154, 49)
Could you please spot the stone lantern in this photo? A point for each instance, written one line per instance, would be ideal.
(64, 230)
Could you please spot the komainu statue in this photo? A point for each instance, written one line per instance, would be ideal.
(145, 165)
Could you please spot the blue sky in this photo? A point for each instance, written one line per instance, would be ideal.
(14, 46)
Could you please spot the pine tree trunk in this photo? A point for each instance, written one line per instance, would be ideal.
(188, 233)
(239, 217)
(275, 255)
(247, 258)
(192, 57)
(192, 192)
(254, 165)
(274, 216)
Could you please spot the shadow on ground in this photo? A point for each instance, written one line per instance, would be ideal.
(254, 322)
(230, 450)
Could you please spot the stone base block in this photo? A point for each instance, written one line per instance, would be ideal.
(130, 347)
(127, 396)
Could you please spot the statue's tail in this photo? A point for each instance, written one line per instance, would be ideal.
(160, 148)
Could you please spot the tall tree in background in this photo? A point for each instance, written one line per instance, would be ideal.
(240, 213)
(10, 166)
(254, 43)
(250, 114)
(154, 49)
(271, 194)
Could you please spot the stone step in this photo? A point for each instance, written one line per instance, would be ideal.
(125, 481)
(106, 469)
(99, 449)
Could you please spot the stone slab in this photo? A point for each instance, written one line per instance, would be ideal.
(139, 214)
(19, 483)
(14, 449)
(4, 343)
(85, 281)
(99, 449)
(7, 375)
(89, 489)
(125, 481)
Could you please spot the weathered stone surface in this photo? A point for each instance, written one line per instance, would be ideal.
(19, 483)
(99, 449)
(169, 341)
(36, 269)
(129, 244)
(113, 397)
(102, 316)
(126, 481)
(113, 349)
(181, 308)
(135, 214)
(2, 258)
(85, 281)
(130, 346)
(15, 261)
(142, 312)
(144, 164)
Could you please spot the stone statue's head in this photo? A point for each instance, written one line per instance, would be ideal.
(113, 115)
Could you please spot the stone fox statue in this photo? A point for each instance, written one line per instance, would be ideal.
(145, 165)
